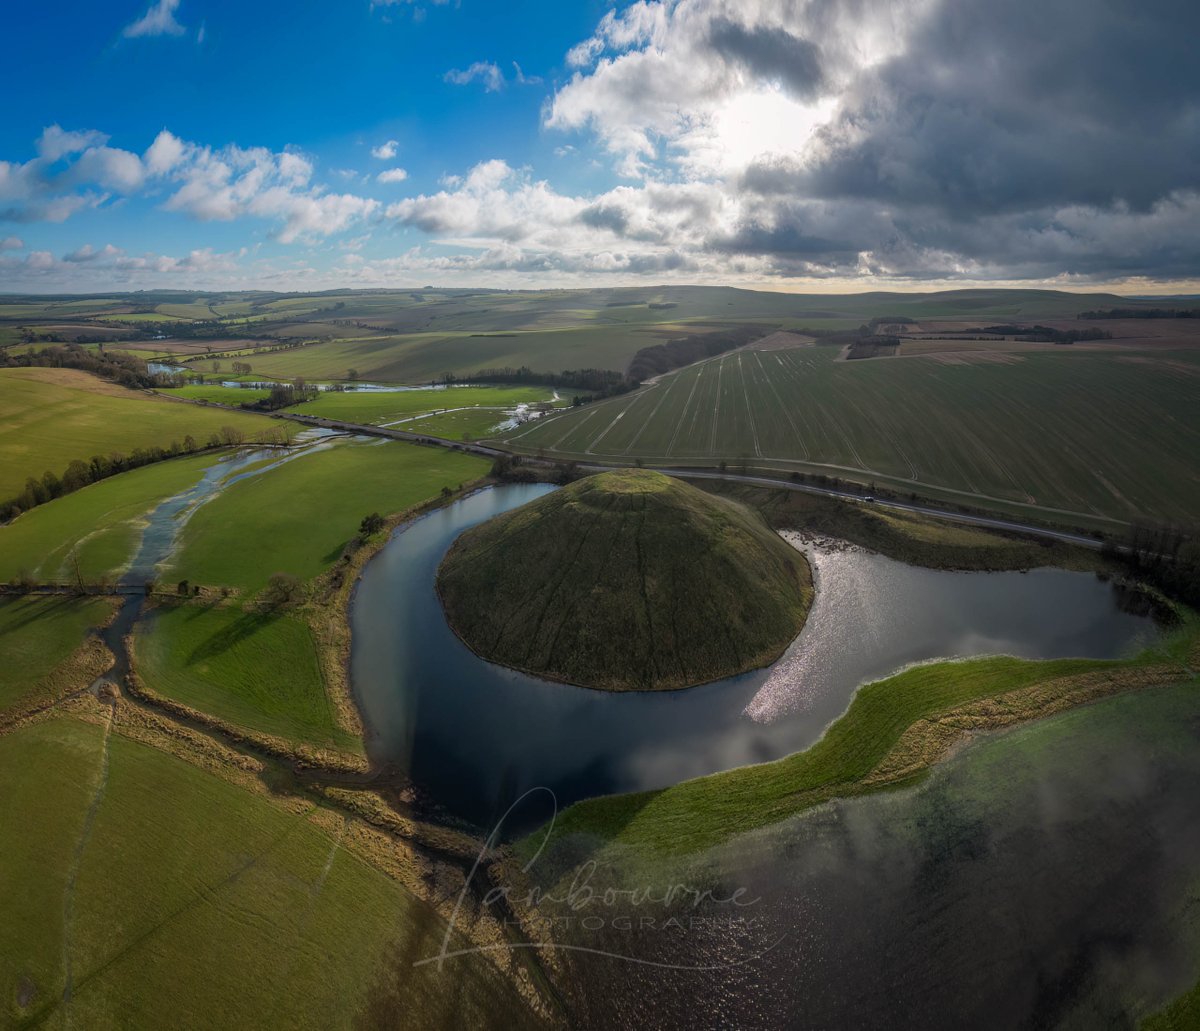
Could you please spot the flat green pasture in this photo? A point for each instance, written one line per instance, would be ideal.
(696, 814)
(217, 393)
(257, 670)
(472, 424)
(297, 517)
(36, 634)
(1086, 432)
(375, 407)
(172, 896)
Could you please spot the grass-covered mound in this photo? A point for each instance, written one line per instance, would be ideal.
(627, 580)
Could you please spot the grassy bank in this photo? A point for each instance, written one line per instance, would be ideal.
(155, 883)
(893, 731)
(905, 536)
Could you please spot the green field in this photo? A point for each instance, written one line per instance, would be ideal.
(164, 889)
(297, 517)
(472, 424)
(37, 634)
(426, 357)
(257, 670)
(99, 525)
(52, 416)
(1077, 431)
(375, 407)
(218, 394)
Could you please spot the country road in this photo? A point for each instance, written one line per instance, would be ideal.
(928, 510)
(699, 474)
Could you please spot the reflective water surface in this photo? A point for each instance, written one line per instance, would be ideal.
(474, 735)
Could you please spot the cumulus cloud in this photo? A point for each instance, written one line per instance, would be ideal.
(159, 20)
(111, 266)
(75, 170)
(11, 243)
(392, 175)
(56, 143)
(88, 253)
(385, 151)
(485, 72)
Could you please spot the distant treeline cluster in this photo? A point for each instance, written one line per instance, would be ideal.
(276, 344)
(54, 336)
(282, 395)
(850, 337)
(1141, 313)
(1047, 334)
(590, 384)
(79, 473)
(124, 369)
(674, 354)
(873, 347)
(1165, 556)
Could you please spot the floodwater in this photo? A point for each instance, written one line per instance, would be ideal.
(1045, 877)
(474, 735)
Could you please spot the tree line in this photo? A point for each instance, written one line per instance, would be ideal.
(1141, 313)
(124, 369)
(1047, 334)
(674, 354)
(1167, 557)
(79, 473)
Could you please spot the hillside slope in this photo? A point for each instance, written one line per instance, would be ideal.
(627, 580)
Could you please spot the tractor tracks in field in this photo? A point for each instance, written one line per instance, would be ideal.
(69, 891)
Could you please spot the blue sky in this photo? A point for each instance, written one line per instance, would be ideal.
(817, 144)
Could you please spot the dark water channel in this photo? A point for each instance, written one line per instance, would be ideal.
(474, 735)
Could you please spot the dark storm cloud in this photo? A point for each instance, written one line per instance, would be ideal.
(1024, 138)
(1000, 107)
(605, 216)
(771, 53)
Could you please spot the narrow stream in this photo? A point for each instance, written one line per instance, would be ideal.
(164, 523)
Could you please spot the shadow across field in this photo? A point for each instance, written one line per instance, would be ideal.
(229, 637)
